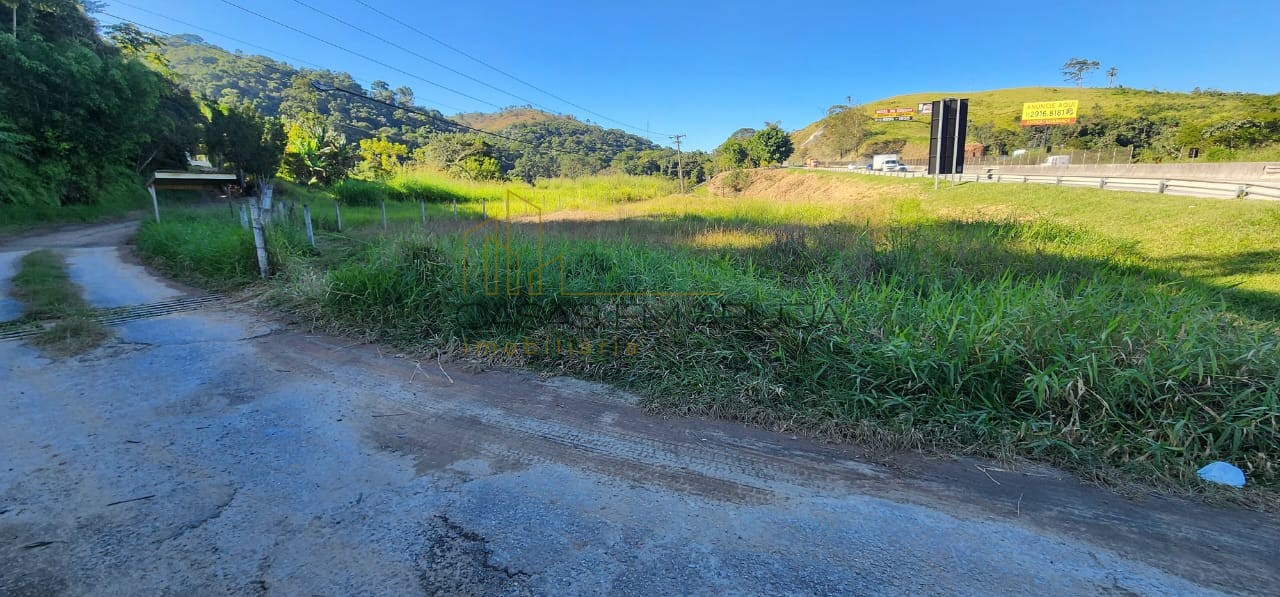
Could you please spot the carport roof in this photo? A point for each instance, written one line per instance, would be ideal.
(171, 179)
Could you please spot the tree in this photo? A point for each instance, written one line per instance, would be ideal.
(241, 137)
(478, 167)
(404, 96)
(844, 129)
(1111, 76)
(379, 157)
(770, 145)
(381, 91)
(315, 154)
(732, 155)
(532, 165)
(81, 116)
(136, 43)
(1074, 70)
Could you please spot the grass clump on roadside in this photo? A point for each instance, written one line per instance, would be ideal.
(209, 249)
(72, 336)
(45, 289)
(116, 199)
(48, 295)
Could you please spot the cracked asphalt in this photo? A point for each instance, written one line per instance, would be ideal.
(219, 452)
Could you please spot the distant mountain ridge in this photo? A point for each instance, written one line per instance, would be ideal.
(280, 89)
(497, 121)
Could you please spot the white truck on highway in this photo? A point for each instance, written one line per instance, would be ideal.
(885, 161)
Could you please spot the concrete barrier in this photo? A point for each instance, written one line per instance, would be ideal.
(1233, 171)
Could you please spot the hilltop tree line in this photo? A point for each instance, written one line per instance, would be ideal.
(333, 135)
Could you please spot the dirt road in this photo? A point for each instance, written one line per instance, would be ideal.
(217, 452)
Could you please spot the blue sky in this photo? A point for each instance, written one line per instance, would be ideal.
(707, 68)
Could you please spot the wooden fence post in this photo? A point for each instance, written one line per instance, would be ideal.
(384, 215)
(155, 203)
(311, 234)
(259, 239)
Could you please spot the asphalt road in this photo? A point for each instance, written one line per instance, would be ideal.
(218, 452)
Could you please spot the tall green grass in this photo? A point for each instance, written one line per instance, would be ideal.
(1088, 364)
(1051, 338)
(207, 248)
(117, 199)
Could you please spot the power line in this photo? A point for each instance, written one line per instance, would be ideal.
(358, 54)
(268, 65)
(414, 53)
(500, 71)
(199, 28)
(335, 89)
(249, 57)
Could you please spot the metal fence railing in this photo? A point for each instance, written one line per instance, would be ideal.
(1024, 157)
(1221, 189)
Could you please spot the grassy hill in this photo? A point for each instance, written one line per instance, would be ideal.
(1002, 108)
(496, 121)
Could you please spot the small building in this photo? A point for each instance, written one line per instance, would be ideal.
(974, 150)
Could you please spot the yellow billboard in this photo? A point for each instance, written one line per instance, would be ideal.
(1050, 113)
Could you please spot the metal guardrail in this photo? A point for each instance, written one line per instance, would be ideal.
(1224, 189)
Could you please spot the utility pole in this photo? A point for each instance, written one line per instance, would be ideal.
(679, 161)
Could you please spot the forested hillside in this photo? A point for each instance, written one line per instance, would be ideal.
(82, 118)
(278, 89)
(496, 121)
(526, 144)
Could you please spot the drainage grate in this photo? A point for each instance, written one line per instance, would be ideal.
(17, 330)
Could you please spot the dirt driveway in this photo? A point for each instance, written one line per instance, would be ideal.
(214, 451)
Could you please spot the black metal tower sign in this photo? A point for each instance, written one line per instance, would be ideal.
(947, 135)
